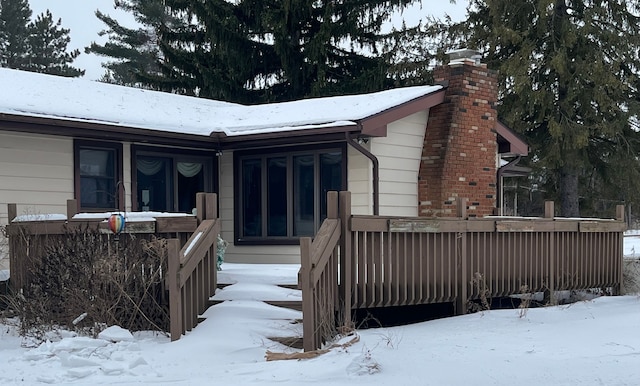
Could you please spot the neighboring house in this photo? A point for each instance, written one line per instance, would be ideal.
(402, 152)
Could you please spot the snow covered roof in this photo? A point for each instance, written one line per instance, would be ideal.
(75, 99)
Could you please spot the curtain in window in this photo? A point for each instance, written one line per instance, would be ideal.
(331, 158)
(189, 169)
(149, 167)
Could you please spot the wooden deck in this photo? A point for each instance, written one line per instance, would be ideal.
(359, 262)
(187, 264)
(376, 261)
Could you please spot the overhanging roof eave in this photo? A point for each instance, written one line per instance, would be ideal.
(296, 133)
(517, 145)
(99, 131)
(375, 125)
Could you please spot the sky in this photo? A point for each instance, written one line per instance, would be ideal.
(79, 17)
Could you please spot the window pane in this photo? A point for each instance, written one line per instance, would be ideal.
(304, 187)
(330, 177)
(190, 182)
(277, 196)
(251, 197)
(154, 183)
(97, 178)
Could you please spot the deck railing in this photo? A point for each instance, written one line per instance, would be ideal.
(390, 261)
(318, 274)
(28, 239)
(192, 276)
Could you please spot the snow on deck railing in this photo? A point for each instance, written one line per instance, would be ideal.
(192, 243)
(40, 217)
(129, 216)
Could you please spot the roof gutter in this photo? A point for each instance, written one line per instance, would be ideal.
(376, 171)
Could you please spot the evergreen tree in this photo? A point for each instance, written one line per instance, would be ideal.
(253, 51)
(14, 33)
(136, 53)
(271, 50)
(48, 44)
(38, 46)
(569, 82)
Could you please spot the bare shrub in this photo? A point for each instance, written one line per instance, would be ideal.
(4, 247)
(483, 293)
(525, 301)
(631, 276)
(112, 281)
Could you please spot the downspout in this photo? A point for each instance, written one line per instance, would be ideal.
(501, 171)
(376, 171)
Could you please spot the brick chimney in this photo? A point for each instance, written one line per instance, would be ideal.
(460, 148)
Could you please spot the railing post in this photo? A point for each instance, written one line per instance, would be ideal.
(620, 212)
(549, 213)
(206, 206)
(461, 299)
(549, 210)
(308, 318)
(12, 212)
(72, 208)
(617, 290)
(211, 206)
(175, 295)
(346, 258)
(332, 204)
(462, 207)
(200, 207)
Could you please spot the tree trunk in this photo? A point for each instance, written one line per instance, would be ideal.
(569, 192)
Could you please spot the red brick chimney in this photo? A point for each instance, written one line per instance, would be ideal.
(460, 148)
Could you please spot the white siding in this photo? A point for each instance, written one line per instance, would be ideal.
(36, 173)
(359, 181)
(266, 254)
(399, 155)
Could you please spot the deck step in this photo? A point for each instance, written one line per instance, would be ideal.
(287, 286)
(289, 341)
(291, 304)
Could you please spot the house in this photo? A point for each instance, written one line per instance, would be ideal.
(402, 152)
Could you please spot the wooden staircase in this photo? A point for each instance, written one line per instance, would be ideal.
(295, 342)
(291, 304)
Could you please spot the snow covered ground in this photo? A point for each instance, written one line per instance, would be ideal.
(595, 342)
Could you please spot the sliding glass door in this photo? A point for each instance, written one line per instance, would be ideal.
(169, 182)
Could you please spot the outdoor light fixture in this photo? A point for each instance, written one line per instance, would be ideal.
(362, 140)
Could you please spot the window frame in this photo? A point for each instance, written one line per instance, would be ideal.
(78, 145)
(288, 152)
(210, 165)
